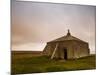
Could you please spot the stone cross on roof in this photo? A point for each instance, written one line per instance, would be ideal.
(68, 34)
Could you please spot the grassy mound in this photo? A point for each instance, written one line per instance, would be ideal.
(24, 64)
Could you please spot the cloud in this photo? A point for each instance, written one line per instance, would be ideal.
(42, 22)
(29, 46)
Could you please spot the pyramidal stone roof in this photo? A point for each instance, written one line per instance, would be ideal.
(66, 38)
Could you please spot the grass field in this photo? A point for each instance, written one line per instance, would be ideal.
(28, 63)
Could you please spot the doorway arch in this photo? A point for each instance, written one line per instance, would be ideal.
(65, 53)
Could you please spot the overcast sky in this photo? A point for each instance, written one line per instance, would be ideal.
(35, 23)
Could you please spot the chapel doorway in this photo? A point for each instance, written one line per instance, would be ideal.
(65, 53)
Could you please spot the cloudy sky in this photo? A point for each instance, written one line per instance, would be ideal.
(35, 23)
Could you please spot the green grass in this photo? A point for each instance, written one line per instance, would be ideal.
(25, 64)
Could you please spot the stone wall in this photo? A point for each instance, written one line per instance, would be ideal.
(75, 49)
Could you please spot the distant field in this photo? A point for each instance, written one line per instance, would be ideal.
(31, 62)
(21, 54)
